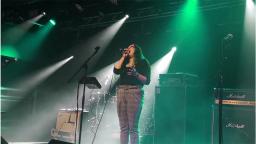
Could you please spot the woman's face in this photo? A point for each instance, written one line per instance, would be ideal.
(131, 50)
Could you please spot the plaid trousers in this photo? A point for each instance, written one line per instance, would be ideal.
(129, 105)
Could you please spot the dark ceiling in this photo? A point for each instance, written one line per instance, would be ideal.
(85, 13)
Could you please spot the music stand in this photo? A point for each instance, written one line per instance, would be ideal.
(91, 83)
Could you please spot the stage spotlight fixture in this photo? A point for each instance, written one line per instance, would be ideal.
(53, 22)
(126, 16)
(43, 13)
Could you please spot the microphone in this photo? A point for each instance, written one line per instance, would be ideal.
(122, 51)
(229, 36)
(97, 48)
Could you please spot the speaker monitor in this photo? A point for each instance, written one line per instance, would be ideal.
(170, 115)
(179, 115)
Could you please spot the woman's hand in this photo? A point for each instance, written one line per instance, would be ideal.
(125, 53)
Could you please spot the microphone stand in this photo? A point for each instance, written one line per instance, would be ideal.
(85, 64)
(85, 67)
(220, 89)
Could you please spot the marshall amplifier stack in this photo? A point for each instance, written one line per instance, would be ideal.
(238, 116)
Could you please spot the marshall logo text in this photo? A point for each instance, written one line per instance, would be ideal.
(235, 125)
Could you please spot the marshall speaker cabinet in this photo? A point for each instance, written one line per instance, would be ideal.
(238, 117)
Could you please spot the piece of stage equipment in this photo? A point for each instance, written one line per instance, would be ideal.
(5, 60)
(90, 82)
(66, 122)
(236, 94)
(238, 117)
(170, 106)
(66, 125)
(178, 79)
(223, 57)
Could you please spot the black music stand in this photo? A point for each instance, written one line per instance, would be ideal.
(91, 83)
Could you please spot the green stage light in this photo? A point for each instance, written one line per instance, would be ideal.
(33, 41)
(53, 22)
(10, 51)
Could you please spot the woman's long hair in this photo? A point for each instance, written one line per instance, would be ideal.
(138, 53)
